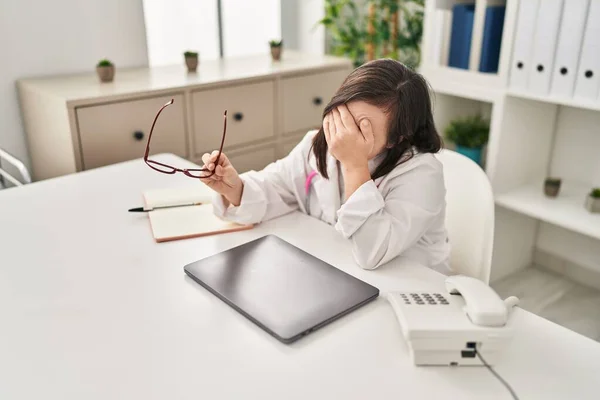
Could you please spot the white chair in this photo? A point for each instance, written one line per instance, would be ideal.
(469, 215)
(18, 164)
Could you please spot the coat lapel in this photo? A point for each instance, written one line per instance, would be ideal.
(327, 191)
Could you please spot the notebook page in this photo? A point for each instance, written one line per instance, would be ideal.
(198, 193)
(187, 222)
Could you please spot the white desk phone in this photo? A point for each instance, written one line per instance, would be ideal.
(449, 328)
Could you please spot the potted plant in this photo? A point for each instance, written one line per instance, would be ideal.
(105, 70)
(552, 186)
(276, 48)
(592, 202)
(469, 134)
(191, 60)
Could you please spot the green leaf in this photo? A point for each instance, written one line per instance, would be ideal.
(470, 131)
(326, 21)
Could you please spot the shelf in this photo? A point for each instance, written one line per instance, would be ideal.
(464, 83)
(567, 210)
(570, 102)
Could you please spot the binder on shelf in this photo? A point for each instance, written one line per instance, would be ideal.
(587, 83)
(568, 49)
(443, 24)
(545, 37)
(492, 38)
(463, 16)
(523, 41)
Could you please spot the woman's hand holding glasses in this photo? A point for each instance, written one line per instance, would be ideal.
(222, 177)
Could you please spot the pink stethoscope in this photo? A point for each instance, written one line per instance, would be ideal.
(308, 183)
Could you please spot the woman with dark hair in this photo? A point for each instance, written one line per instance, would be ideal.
(369, 170)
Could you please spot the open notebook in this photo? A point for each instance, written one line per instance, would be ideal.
(185, 222)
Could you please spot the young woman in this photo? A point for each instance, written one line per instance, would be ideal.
(369, 171)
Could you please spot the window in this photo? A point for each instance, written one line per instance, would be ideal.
(174, 26)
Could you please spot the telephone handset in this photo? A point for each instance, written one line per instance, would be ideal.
(445, 328)
(483, 306)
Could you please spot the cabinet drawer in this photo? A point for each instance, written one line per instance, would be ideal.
(255, 159)
(304, 98)
(250, 115)
(286, 147)
(112, 133)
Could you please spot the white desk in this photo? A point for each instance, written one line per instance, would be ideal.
(92, 308)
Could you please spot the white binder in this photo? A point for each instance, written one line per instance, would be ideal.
(523, 40)
(544, 46)
(568, 50)
(443, 26)
(588, 75)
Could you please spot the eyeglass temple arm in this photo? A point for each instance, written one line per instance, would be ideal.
(222, 138)
(152, 128)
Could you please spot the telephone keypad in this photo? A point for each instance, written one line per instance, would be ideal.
(424, 298)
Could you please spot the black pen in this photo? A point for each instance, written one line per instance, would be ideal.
(142, 209)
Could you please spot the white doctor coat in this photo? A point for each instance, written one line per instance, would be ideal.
(401, 213)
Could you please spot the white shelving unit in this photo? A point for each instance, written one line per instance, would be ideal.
(576, 103)
(566, 210)
(531, 137)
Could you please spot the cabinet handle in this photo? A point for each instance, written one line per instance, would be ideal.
(589, 73)
(238, 116)
(138, 135)
(317, 101)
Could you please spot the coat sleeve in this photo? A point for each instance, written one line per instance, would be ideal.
(268, 193)
(382, 228)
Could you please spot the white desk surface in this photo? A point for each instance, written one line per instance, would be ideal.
(92, 308)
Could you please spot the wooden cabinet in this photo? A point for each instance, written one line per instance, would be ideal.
(305, 96)
(255, 159)
(74, 123)
(116, 132)
(251, 115)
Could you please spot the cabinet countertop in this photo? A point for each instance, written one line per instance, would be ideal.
(132, 81)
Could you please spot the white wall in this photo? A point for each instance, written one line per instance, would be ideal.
(57, 37)
(577, 146)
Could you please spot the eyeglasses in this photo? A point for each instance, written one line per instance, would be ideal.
(168, 169)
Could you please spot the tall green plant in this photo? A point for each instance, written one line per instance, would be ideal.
(347, 29)
(346, 24)
(411, 32)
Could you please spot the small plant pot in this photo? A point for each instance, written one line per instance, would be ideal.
(592, 204)
(192, 63)
(276, 53)
(106, 73)
(552, 187)
(472, 153)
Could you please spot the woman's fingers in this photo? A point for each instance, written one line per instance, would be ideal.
(210, 159)
(346, 117)
(332, 127)
(220, 171)
(207, 160)
(326, 128)
(337, 119)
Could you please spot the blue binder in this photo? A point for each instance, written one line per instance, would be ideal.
(460, 39)
(492, 38)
